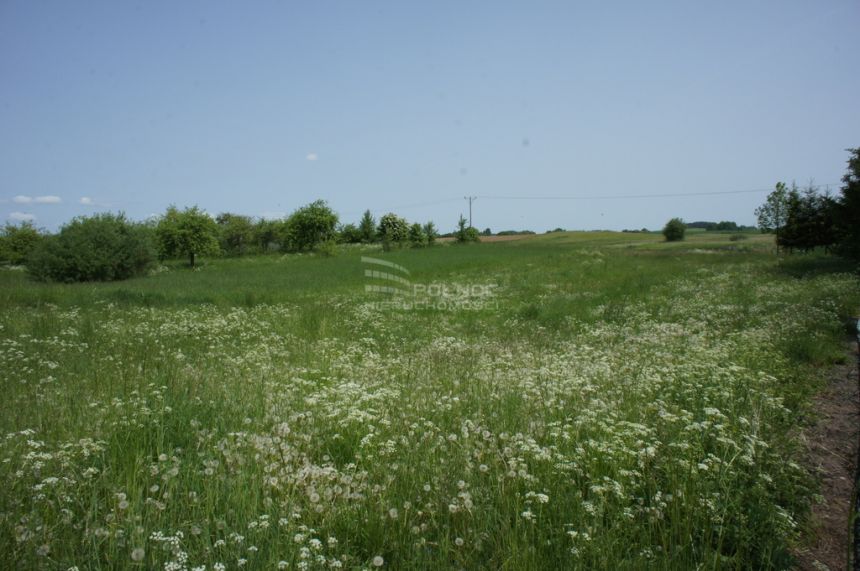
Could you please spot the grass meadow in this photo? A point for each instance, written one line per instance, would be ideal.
(615, 402)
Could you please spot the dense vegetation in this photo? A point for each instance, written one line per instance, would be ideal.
(722, 226)
(103, 247)
(806, 219)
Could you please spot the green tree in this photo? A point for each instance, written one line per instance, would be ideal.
(367, 227)
(393, 230)
(17, 241)
(772, 214)
(350, 234)
(674, 230)
(431, 232)
(102, 247)
(266, 234)
(417, 237)
(190, 233)
(235, 233)
(809, 220)
(310, 225)
(847, 211)
(465, 234)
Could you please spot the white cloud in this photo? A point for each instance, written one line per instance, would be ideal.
(87, 201)
(21, 199)
(49, 199)
(21, 217)
(312, 156)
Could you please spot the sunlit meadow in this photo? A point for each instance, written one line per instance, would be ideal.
(622, 404)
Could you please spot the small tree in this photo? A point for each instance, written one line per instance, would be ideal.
(417, 237)
(367, 227)
(809, 221)
(431, 233)
(236, 233)
(847, 212)
(103, 247)
(772, 214)
(266, 234)
(16, 242)
(393, 230)
(674, 230)
(310, 225)
(190, 233)
(465, 234)
(349, 234)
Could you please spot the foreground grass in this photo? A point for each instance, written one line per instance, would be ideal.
(618, 403)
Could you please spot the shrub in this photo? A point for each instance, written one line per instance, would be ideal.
(327, 248)
(103, 247)
(16, 242)
(309, 225)
(465, 234)
(417, 237)
(350, 234)
(674, 230)
(235, 233)
(393, 230)
(267, 234)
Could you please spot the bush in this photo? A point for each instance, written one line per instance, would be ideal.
(417, 237)
(327, 248)
(266, 235)
(235, 233)
(350, 234)
(393, 230)
(674, 230)
(16, 242)
(103, 247)
(310, 225)
(465, 234)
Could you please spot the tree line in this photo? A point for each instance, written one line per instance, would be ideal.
(109, 246)
(804, 219)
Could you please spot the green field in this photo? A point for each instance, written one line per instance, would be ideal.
(614, 402)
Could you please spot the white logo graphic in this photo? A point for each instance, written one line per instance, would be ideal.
(393, 282)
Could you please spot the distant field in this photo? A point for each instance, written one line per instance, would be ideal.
(563, 401)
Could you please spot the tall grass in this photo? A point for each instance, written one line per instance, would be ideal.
(615, 408)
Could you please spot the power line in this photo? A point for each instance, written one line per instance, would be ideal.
(634, 196)
(404, 207)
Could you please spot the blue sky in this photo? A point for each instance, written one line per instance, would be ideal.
(259, 107)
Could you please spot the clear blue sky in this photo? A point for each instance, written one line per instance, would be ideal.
(410, 106)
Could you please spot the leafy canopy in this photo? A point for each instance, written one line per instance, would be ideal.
(16, 242)
(187, 233)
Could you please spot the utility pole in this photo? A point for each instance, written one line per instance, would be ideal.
(470, 199)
